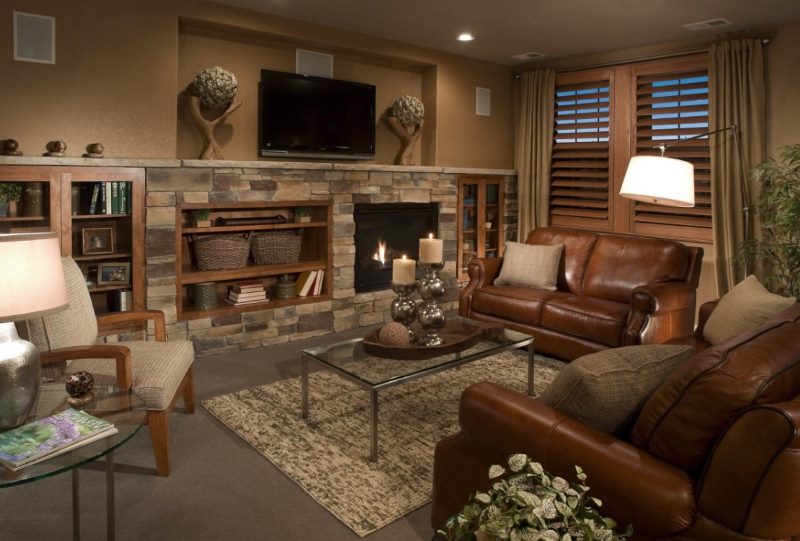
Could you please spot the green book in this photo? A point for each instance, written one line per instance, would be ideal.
(123, 197)
(37, 441)
(115, 197)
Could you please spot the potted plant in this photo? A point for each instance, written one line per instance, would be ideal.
(526, 503)
(302, 214)
(200, 218)
(10, 194)
(778, 209)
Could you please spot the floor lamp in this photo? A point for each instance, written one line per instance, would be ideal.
(668, 181)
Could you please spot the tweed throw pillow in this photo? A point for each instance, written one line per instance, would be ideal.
(529, 265)
(743, 308)
(605, 389)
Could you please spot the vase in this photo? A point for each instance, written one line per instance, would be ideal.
(32, 199)
(19, 377)
(205, 296)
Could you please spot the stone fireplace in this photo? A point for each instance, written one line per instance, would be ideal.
(385, 231)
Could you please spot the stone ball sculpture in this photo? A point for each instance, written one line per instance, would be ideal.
(215, 86)
(409, 110)
(394, 334)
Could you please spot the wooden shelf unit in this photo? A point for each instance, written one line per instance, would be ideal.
(316, 252)
(480, 202)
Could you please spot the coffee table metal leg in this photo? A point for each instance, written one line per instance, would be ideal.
(76, 506)
(373, 445)
(530, 368)
(304, 385)
(110, 510)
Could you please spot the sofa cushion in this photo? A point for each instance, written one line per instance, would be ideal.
(685, 416)
(605, 389)
(529, 265)
(519, 304)
(744, 307)
(578, 246)
(598, 320)
(619, 264)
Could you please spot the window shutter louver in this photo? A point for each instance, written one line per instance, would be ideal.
(579, 178)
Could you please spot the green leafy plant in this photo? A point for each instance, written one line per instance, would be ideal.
(301, 212)
(778, 209)
(10, 191)
(202, 214)
(527, 504)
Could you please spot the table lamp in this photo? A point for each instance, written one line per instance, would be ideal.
(31, 285)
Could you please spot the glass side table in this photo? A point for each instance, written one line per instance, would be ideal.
(123, 408)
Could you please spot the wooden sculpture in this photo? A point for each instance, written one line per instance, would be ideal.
(211, 149)
(408, 137)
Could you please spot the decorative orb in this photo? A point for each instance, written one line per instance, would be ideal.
(393, 334)
(11, 144)
(409, 110)
(215, 86)
(57, 146)
(95, 148)
(79, 384)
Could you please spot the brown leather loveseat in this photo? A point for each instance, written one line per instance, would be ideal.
(613, 290)
(713, 455)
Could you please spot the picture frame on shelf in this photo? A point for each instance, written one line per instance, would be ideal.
(97, 240)
(116, 273)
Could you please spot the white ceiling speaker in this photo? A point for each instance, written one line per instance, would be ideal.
(483, 101)
(710, 23)
(314, 63)
(34, 38)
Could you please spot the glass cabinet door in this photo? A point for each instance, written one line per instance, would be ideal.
(491, 223)
(25, 203)
(469, 224)
(480, 215)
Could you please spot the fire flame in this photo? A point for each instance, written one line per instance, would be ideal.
(380, 255)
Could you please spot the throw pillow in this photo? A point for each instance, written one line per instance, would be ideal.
(529, 265)
(743, 308)
(605, 389)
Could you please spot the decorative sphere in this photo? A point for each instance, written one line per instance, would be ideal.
(79, 383)
(215, 86)
(393, 334)
(57, 146)
(11, 144)
(409, 110)
(96, 148)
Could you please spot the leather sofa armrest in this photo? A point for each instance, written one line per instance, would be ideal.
(702, 317)
(481, 271)
(509, 422)
(660, 312)
(759, 454)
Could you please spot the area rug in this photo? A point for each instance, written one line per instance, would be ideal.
(328, 455)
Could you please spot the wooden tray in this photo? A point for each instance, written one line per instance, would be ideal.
(457, 336)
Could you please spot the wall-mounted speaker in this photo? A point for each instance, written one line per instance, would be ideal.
(314, 63)
(483, 101)
(34, 38)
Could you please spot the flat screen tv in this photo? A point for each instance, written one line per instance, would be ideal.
(304, 116)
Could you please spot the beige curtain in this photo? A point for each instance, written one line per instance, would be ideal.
(736, 97)
(533, 145)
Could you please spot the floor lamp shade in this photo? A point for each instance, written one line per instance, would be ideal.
(659, 180)
(31, 285)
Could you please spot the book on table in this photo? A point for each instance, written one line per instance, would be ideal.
(247, 287)
(318, 281)
(305, 282)
(43, 439)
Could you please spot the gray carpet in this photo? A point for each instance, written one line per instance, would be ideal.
(221, 488)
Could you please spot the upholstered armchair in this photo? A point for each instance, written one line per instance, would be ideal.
(158, 371)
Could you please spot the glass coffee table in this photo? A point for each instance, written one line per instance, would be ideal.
(123, 408)
(349, 360)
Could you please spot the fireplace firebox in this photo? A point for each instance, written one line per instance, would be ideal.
(386, 231)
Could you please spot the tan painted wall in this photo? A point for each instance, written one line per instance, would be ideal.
(119, 71)
(783, 88)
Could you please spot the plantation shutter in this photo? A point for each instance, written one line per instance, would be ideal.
(579, 178)
(672, 104)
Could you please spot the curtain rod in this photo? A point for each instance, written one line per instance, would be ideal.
(764, 41)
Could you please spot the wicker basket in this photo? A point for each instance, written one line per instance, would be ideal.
(276, 247)
(221, 252)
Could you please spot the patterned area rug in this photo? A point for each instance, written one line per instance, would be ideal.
(328, 456)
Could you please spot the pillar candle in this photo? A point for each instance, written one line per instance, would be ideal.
(430, 250)
(403, 271)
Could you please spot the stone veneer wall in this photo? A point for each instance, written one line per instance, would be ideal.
(344, 185)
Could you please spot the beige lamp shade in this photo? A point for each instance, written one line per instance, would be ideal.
(659, 180)
(31, 279)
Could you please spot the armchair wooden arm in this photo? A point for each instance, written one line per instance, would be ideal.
(120, 354)
(142, 316)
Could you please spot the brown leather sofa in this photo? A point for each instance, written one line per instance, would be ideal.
(713, 455)
(613, 290)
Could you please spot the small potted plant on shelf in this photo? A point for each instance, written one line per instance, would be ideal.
(302, 214)
(10, 194)
(200, 218)
(528, 503)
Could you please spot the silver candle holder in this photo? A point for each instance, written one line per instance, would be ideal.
(431, 316)
(404, 310)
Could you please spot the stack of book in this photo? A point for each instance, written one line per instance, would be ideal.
(310, 283)
(110, 198)
(51, 436)
(245, 293)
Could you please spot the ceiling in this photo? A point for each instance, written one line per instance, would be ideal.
(555, 28)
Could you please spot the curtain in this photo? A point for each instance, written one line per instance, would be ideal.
(533, 145)
(736, 97)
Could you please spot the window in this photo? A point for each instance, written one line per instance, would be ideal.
(605, 116)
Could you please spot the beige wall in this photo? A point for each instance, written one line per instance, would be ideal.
(783, 88)
(121, 65)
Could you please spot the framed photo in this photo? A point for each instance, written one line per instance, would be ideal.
(113, 274)
(98, 240)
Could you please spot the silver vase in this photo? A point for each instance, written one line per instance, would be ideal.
(403, 309)
(19, 377)
(431, 316)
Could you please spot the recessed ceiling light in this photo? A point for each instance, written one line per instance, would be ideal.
(465, 36)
